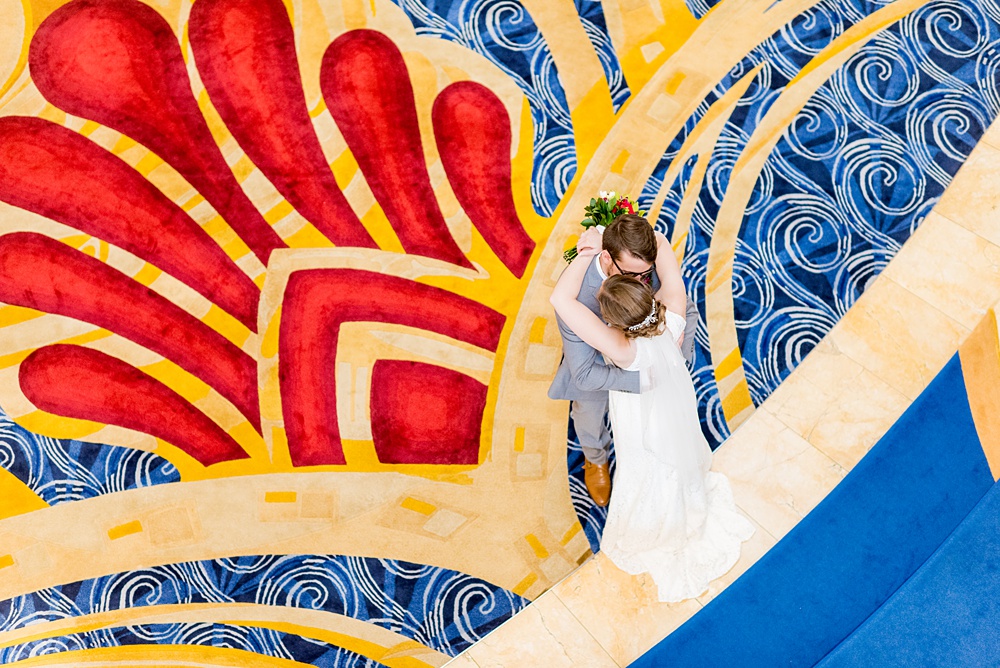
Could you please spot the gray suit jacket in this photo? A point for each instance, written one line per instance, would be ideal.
(582, 373)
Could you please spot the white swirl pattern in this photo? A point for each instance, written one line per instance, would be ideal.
(438, 608)
(60, 471)
(855, 173)
(851, 178)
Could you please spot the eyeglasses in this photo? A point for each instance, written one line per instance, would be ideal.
(644, 276)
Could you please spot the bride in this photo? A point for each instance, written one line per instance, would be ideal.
(669, 516)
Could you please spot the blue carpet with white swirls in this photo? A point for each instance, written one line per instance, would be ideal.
(436, 607)
(853, 175)
(440, 608)
(68, 470)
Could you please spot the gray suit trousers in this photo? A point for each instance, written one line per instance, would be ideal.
(594, 438)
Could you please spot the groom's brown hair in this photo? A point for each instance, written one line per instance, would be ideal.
(632, 233)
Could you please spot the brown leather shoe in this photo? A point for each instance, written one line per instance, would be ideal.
(598, 479)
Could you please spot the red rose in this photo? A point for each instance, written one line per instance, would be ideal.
(623, 203)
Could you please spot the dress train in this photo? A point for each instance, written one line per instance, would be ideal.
(669, 516)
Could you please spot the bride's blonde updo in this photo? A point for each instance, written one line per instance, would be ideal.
(626, 302)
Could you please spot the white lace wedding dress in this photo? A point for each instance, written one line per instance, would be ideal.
(669, 515)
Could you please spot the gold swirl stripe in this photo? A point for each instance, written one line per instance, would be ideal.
(580, 72)
(451, 521)
(158, 656)
(720, 310)
(382, 645)
(645, 33)
(700, 142)
(15, 30)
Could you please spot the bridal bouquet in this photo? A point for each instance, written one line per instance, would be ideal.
(602, 210)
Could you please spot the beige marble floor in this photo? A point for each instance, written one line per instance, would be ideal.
(807, 435)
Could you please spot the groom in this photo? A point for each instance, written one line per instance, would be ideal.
(629, 246)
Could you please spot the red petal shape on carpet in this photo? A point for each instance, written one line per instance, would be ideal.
(42, 273)
(117, 62)
(473, 136)
(425, 414)
(367, 89)
(245, 52)
(57, 173)
(316, 303)
(119, 394)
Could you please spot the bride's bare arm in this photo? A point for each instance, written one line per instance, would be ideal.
(671, 293)
(582, 320)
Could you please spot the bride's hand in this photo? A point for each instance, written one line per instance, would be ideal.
(590, 243)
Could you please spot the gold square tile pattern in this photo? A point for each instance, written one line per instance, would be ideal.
(971, 199)
(836, 404)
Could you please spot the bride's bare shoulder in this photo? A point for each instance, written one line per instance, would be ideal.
(629, 355)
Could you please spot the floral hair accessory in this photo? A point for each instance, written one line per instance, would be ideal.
(602, 210)
(650, 319)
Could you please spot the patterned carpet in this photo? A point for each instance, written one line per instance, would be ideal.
(274, 277)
